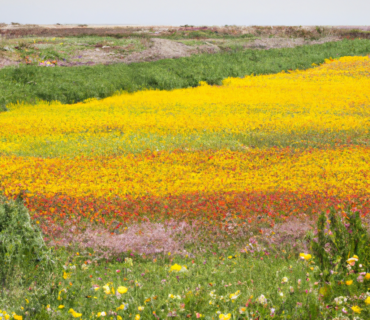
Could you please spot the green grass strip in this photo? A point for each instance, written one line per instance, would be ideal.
(68, 85)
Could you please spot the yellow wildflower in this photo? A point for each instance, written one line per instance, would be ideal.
(74, 313)
(122, 307)
(353, 260)
(305, 256)
(176, 268)
(107, 289)
(356, 309)
(121, 290)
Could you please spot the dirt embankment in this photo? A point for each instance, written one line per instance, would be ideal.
(167, 49)
(306, 32)
(161, 42)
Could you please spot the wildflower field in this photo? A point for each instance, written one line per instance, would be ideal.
(271, 146)
(208, 174)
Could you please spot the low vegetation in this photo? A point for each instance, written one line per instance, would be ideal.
(31, 83)
(242, 194)
(236, 273)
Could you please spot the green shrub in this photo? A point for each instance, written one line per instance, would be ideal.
(339, 238)
(25, 259)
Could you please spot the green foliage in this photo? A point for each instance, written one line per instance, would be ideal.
(205, 288)
(23, 253)
(52, 55)
(68, 85)
(339, 239)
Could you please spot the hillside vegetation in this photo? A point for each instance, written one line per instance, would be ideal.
(68, 85)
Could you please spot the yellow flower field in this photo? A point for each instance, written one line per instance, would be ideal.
(297, 136)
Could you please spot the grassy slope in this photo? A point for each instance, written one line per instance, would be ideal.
(30, 83)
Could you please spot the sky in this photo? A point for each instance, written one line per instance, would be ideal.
(191, 12)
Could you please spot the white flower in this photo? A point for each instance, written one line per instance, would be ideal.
(340, 300)
(284, 280)
(183, 269)
(281, 294)
(106, 289)
(262, 299)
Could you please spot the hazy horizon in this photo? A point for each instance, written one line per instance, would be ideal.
(192, 12)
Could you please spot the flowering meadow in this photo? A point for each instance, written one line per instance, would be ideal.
(272, 146)
(225, 183)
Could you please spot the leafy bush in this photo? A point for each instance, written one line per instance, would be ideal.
(338, 239)
(23, 253)
(342, 255)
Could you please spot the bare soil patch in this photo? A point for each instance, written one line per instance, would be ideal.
(167, 49)
(157, 49)
(6, 62)
(274, 43)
